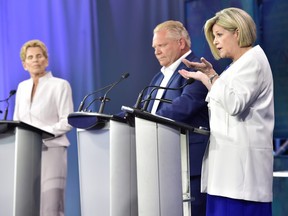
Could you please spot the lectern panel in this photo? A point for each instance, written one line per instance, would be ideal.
(7, 149)
(20, 153)
(123, 194)
(28, 169)
(107, 168)
(94, 157)
(158, 153)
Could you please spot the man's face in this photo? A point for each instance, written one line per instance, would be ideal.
(167, 49)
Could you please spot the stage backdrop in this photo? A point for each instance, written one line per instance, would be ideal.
(93, 42)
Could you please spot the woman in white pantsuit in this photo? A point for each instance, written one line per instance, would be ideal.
(237, 169)
(45, 101)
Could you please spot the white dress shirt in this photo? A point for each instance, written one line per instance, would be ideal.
(167, 72)
(49, 109)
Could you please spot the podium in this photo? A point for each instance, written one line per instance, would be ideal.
(20, 168)
(107, 164)
(141, 168)
(162, 158)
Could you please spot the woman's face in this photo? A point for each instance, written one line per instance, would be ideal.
(35, 62)
(226, 42)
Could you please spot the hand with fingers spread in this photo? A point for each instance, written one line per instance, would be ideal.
(205, 72)
(204, 66)
(198, 75)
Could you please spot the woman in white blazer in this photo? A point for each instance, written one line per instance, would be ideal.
(237, 169)
(45, 101)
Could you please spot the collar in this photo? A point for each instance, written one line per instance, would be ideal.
(47, 75)
(170, 69)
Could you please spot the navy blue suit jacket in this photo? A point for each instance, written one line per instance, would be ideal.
(188, 106)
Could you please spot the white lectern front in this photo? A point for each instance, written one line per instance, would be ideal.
(162, 155)
(107, 165)
(20, 168)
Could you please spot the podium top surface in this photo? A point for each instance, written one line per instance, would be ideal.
(89, 120)
(163, 120)
(6, 125)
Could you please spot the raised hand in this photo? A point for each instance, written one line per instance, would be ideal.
(204, 66)
(204, 72)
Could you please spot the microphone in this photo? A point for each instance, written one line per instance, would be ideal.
(104, 99)
(164, 100)
(12, 92)
(140, 96)
(148, 99)
(82, 103)
(95, 99)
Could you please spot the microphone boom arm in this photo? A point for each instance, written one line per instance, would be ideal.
(82, 103)
(148, 99)
(104, 98)
(12, 92)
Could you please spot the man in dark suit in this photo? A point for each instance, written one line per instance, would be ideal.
(171, 43)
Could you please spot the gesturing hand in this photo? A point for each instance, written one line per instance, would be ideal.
(204, 66)
(204, 72)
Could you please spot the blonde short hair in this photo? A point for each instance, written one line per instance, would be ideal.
(33, 43)
(231, 19)
(175, 29)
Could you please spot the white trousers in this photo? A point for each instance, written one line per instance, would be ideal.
(53, 181)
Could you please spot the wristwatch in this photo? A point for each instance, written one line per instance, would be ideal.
(212, 77)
